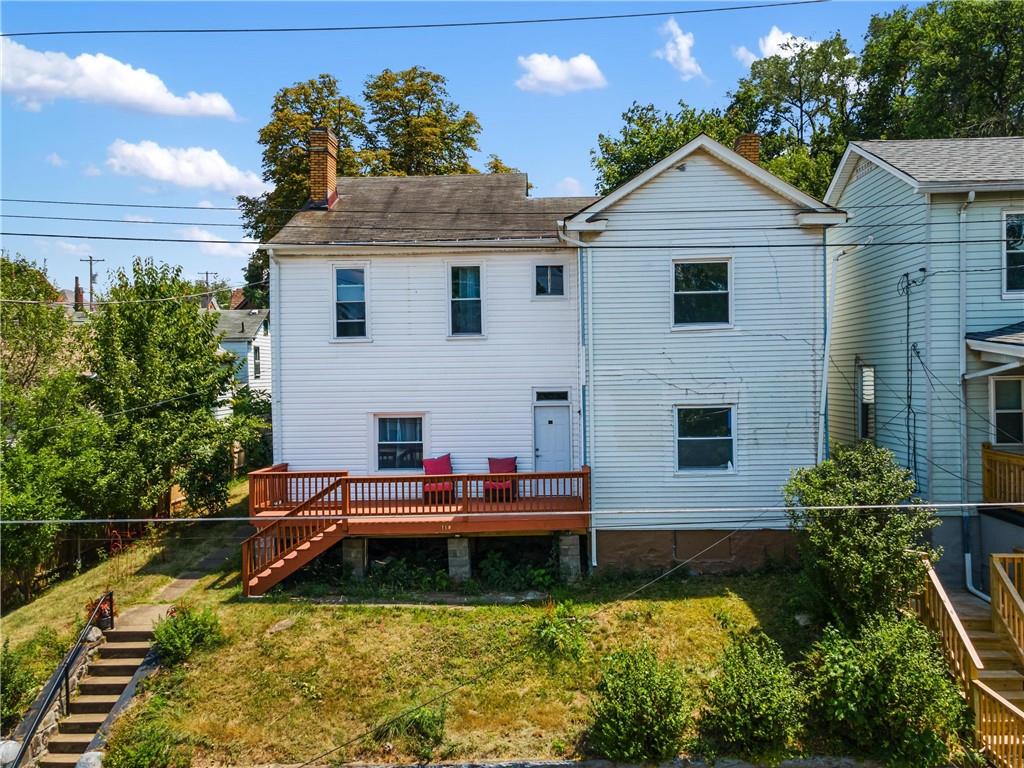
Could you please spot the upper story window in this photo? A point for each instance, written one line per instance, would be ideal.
(399, 442)
(1008, 411)
(466, 301)
(549, 280)
(256, 370)
(1013, 251)
(700, 293)
(865, 402)
(705, 438)
(350, 302)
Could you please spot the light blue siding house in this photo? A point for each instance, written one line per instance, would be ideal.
(928, 328)
(245, 333)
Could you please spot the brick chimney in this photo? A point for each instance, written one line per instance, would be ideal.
(79, 302)
(748, 146)
(323, 167)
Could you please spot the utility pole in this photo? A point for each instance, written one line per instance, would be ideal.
(92, 278)
(205, 302)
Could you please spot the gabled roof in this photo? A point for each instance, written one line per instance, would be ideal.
(240, 324)
(411, 209)
(705, 143)
(937, 165)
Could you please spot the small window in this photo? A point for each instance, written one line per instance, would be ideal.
(467, 314)
(700, 293)
(1013, 252)
(704, 438)
(256, 362)
(559, 395)
(1008, 411)
(865, 402)
(350, 303)
(549, 280)
(399, 442)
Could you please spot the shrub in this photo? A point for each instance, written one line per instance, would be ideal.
(141, 740)
(17, 686)
(184, 631)
(495, 572)
(858, 563)
(559, 633)
(641, 710)
(419, 732)
(887, 693)
(753, 703)
(400, 575)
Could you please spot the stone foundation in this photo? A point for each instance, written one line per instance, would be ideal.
(459, 568)
(354, 557)
(745, 550)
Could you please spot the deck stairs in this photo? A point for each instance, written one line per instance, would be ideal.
(118, 657)
(1003, 670)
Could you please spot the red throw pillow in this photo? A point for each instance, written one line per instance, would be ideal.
(502, 466)
(442, 465)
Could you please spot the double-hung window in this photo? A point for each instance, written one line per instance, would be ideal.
(705, 438)
(350, 302)
(256, 370)
(466, 301)
(700, 293)
(549, 280)
(1008, 411)
(1013, 251)
(399, 442)
(865, 402)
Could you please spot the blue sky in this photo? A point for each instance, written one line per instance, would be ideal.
(98, 128)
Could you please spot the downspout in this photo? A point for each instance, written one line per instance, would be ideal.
(965, 513)
(586, 255)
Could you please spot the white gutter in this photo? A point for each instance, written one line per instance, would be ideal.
(965, 514)
(994, 371)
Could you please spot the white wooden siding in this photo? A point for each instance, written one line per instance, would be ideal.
(767, 365)
(476, 393)
(261, 341)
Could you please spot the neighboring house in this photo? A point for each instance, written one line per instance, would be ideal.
(417, 318)
(245, 333)
(928, 338)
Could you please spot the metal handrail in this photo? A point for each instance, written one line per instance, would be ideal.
(104, 609)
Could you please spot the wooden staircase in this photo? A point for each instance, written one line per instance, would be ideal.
(107, 676)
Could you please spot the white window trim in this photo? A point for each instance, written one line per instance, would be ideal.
(993, 432)
(858, 381)
(704, 471)
(424, 417)
(257, 362)
(566, 279)
(676, 328)
(448, 300)
(365, 266)
(1014, 295)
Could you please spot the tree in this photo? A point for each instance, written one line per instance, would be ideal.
(944, 69)
(859, 563)
(649, 135)
(159, 376)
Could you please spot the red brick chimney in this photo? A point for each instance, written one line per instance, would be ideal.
(323, 167)
(748, 146)
(79, 302)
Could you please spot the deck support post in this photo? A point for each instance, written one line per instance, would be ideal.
(354, 557)
(458, 559)
(569, 557)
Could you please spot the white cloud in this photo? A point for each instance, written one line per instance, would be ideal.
(37, 77)
(204, 204)
(55, 160)
(184, 166)
(678, 51)
(546, 73)
(775, 43)
(137, 219)
(569, 187)
(215, 245)
(92, 170)
(77, 249)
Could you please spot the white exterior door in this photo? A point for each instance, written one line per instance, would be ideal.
(551, 440)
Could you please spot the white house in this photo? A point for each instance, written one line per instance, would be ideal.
(245, 333)
(928, 341)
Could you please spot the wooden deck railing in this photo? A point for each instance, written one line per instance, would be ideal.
(937, 612)
(998, 726)
(1006, 582)
(1002, 474)
(277, 488)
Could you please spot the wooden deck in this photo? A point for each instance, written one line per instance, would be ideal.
(1003, 475)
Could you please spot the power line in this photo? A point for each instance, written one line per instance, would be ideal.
(426, 25)
(135, 301)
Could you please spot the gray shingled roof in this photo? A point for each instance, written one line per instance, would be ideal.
(1008, 334)
(240, 324)
(952, 161)
(477, 206)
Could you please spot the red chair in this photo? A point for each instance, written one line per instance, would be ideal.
(501, 490)
(441, 492)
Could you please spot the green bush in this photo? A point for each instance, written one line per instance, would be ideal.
(496, 572)
(186, 630)
(141, 740)
(858, 563)
(753, 703)
(559, 633)
(641, 710)
(887, 693)
(17, 686)
(400, 575)
(420, 732)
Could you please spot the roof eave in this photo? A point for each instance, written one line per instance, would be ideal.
(405, 245)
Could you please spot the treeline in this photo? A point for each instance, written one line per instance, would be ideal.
(101, 419)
